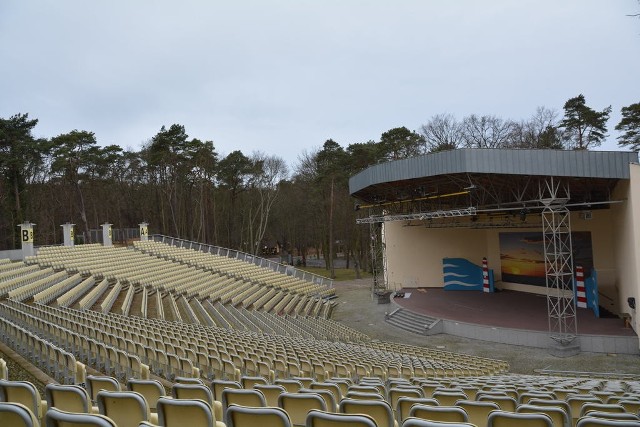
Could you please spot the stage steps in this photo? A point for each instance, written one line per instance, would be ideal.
(414, 322)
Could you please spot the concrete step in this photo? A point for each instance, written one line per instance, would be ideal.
(410, 321)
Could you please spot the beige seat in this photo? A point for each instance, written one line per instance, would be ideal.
(250, 397)
(4, 371)
(379, 410)
(405, 403)
(521, 419)
(25, 393)
(327, 395)
(601, 407)
(398, 392)
(69, 398)
(477, 412)
(603, 422)
(126, 408)
(17, 415)
(558, 415)
(439, 413)
(270, 392)
(152, 390)
(419, 422)
(356, 395)
(243, 416)
(625, 416)
(97, 383)
(318, 418)
(575, 402)
(186, 412)
(218, 385)
(506, 403)
(448, 398)
(57, 418)
(197, 391)
(298, 405)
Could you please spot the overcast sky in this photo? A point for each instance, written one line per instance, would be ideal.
(283, 76)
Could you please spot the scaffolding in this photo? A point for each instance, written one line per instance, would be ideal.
(558, 261)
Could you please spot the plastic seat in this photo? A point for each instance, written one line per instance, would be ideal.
(126, 408)
(270, 392)
(97, 383)
(509, 419)
(250, 397)
(318, 418)
(186, 412)
(355, 395)
(201, 392)
(379, 410)
(439, 413)
(554, 403)
(627, 416)
(57, 418)
(332, 387)
(448, 398)
(558, 415)
(218, 385)
(405, 403)
(506, 403)
(292, 386)
(250, 382)
(575, 402)
(298, 405)
(398, 392)
(152, 390)
(329, 399)
(244, 416)
(419, 422)
(25, 393)
(601, 407)
(188, 380)
(17, 415)
(602, 422)
(69, 398)
(477, 412)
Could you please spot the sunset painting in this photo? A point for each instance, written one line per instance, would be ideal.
(522, 256)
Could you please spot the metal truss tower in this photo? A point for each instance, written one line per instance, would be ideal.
(378, 257)
(558, 261)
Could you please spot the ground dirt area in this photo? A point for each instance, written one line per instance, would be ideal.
(358, 310)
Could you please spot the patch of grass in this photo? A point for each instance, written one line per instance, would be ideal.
(342, 274)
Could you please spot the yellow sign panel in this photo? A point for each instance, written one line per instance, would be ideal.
(27, 235)
(71, 233)
(109, 232)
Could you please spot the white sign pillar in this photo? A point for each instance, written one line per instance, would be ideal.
(106, 235)
(144, 231)
(26, 237)
(68, 234)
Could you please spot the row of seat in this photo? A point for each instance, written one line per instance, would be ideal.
(208, 347)
(145, 400)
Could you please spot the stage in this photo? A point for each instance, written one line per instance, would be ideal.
(512, 317)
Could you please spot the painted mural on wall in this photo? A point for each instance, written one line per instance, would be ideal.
(522, 256)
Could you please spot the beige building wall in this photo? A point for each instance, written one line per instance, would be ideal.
(415, 253)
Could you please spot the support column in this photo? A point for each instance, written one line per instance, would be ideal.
(26, 237)
(68, 234)
(106, 235)
(144, 231)
(558, 261)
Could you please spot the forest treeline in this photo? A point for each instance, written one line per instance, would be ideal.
(182, 187)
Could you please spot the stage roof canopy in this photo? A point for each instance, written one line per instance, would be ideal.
(490, 178)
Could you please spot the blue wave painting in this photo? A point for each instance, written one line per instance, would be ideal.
(462, 275)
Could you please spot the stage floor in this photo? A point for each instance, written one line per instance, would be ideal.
(504, 309)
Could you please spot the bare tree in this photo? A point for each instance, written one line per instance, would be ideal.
(269, 172)
(442, 132)
(486, 132)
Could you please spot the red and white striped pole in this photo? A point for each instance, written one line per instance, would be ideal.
(581, 292)
(485, 276)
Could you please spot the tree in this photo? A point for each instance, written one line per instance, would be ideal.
(401, 143)
(441, 133)
(269, 172)
(539, 132)
(583, 126)
(20, 156)
(486, 132)
(630, 125)
(73, 156)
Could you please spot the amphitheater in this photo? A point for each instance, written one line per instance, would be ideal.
(156, 334)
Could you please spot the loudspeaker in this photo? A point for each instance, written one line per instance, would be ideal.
(632, 302)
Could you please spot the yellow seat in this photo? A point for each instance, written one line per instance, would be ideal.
(186, 412)
(17, 415)
(243, 416)
(317, 418)
(379, 410)
(298, 405)
(126, 408)
(57, 418)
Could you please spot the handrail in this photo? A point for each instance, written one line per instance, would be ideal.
(614, 375)
(243, 256)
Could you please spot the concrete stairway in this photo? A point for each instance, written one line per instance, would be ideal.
(414, 322)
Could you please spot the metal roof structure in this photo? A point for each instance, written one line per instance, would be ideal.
(488, 179)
